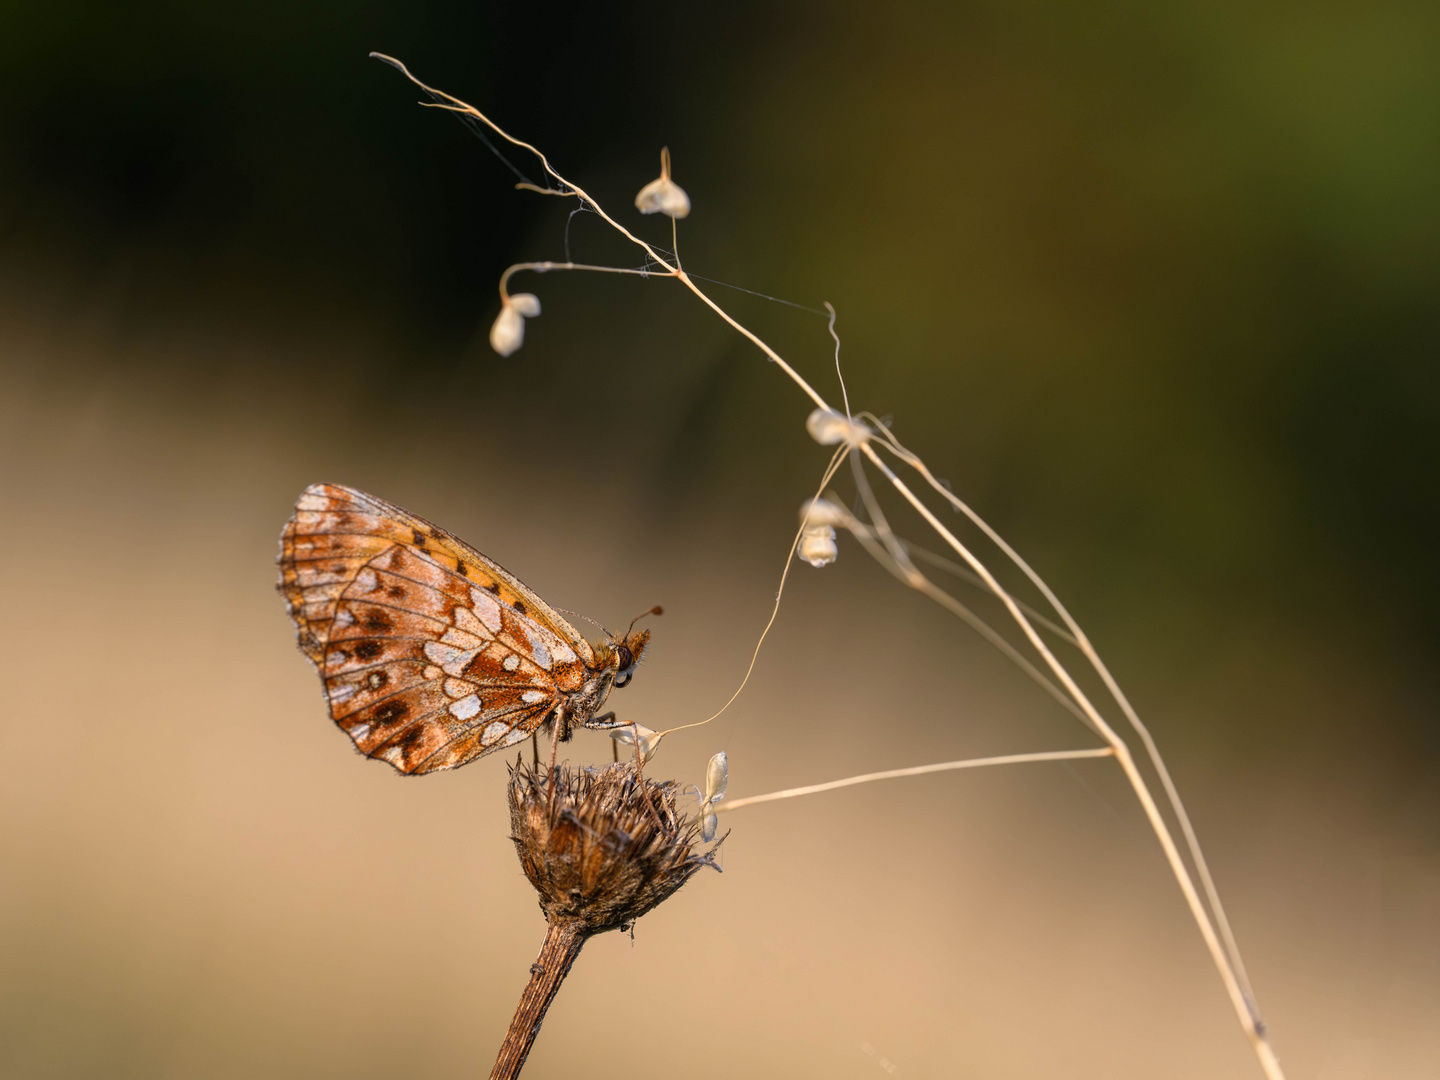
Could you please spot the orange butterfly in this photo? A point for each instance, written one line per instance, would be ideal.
(431, 654)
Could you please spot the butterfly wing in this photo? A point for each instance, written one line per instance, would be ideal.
(431, 655)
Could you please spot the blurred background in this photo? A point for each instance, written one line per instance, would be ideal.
(1152, 285)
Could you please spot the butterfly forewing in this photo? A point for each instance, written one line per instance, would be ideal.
(430, 653)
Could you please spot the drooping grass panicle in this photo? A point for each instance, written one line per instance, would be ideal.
(873, 447)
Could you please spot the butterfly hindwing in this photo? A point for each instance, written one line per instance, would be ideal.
(430, 653)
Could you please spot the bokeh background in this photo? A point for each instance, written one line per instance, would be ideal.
(1152, 285)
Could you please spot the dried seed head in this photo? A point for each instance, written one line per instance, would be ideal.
(823, 512)
(717, 777)
(606, 848)
(638, 734)
(709, 825)
(828, 427)
(507, 333)
(663, 196)
(817, 545)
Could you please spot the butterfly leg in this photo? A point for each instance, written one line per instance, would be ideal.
(560, 722)
(640, 779)
(599, 722)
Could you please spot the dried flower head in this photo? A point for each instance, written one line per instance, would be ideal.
(663, 195)
(606, 847)
(602, 847)
(507, 333)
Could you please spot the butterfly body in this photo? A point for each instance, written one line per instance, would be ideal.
(431, 654)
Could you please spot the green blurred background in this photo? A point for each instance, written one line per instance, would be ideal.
(1152, 285)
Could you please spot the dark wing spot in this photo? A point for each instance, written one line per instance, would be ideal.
(461, 568)
(420, 539)
(391, 712)
(396, 591)
(377, 621)
(368, 650)
(412, 742)
(518, 606)
(493, 587)
(376, 679)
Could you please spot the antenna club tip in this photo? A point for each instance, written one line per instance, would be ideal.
(656, 610)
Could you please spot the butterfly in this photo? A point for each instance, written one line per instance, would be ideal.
(431, 654)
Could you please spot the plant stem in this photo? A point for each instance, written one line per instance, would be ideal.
(918, 770)
(563, 941)
(1226, 955)
(1249, 1019)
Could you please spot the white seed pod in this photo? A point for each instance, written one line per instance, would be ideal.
(508, 332)
(709, 825)
(527, 304)
(631, 734)
(828, 427)
(717, 775)
(663, 195)
(817, 545)
(823, 512)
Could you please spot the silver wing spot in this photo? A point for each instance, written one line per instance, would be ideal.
(451, 660)
(465, 708)
(487, 608)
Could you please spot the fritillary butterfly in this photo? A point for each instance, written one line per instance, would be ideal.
(432, 655)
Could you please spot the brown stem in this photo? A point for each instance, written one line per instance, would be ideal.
(562, 945)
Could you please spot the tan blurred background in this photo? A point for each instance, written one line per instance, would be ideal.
(1152, 285)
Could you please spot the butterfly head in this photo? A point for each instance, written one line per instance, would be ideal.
(628, 647)
(627, 655)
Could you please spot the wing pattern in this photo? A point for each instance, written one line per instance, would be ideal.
(431, 655)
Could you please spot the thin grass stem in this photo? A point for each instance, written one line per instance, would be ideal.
(1082, 641)
(1218, 953)
(774, 611)
(917, 770)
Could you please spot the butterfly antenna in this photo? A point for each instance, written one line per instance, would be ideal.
(656, 610)
(588, 619)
